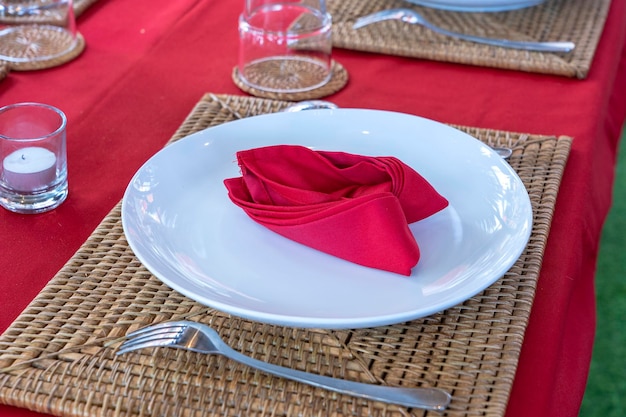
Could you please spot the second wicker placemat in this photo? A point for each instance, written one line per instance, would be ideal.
(58, 356)
(578, 21)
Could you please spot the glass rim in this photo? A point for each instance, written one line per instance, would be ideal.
(326, 22)
(57, 111)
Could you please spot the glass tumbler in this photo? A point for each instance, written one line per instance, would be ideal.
(36, 30)
(285, 45)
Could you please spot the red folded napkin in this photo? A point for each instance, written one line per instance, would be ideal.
(351, 206)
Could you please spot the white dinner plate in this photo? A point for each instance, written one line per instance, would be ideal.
(182, 226)
(477, 5)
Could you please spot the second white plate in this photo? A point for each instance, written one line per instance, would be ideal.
(477, 5)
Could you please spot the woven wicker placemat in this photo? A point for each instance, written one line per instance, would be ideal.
(58, 355)
(579, 21)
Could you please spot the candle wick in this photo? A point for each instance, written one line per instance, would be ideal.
(23, 157)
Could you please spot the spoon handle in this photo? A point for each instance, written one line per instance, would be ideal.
(425, 398)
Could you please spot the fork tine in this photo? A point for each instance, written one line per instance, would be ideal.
(125, 348)
(377, 17)
(158, 326)
(366, 20)
(155, 335)
(164, 334)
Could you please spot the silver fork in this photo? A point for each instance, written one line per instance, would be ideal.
(414, 18)
(201, 338)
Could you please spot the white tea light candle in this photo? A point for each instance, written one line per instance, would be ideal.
(29, 169)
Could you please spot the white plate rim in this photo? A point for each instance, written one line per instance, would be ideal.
(477, 6)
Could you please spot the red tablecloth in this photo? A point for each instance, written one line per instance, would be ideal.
(147, 64)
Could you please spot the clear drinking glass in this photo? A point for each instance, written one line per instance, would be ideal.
(285, 45)
(36, 30)
(33, 174)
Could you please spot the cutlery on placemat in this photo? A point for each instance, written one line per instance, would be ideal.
(201, 338)
(414, 18)
(504, 152)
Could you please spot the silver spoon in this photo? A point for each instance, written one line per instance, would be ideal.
(310, 105)
(414, 18)
(505, 153)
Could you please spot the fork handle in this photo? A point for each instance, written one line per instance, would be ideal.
(556, 46)
(425, 398)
